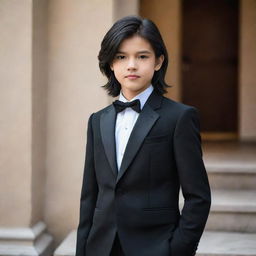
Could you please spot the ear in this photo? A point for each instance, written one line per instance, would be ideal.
(159, 62)
(111, 66)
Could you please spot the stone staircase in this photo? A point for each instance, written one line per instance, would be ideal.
(231, 227)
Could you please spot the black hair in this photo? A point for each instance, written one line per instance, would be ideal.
(123, 29)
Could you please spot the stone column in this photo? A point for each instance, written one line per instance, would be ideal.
(247, 70)
(22, 125)
(76, 29)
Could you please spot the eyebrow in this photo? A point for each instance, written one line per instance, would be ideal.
(139, 52)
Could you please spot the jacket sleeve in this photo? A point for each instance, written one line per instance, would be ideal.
(88, 194)
(194, 185)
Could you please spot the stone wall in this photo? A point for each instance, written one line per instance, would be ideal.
(247, 70)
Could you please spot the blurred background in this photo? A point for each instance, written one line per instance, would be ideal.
(50, 83)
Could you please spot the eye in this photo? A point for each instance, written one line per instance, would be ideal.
(119, 57)
(143, 56)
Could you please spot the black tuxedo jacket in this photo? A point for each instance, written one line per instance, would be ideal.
(140, 202)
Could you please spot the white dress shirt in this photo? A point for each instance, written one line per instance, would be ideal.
(125, 122)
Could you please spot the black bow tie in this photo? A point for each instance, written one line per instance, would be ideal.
(120, 106)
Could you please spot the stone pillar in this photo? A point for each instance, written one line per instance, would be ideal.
(76, 29)
(247, 70)
(22, 125)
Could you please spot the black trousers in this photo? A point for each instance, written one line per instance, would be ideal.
(116, 248)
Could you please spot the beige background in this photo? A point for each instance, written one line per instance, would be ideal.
(16, 112)
(74, 91)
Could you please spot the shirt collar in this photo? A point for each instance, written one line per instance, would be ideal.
(143, 96)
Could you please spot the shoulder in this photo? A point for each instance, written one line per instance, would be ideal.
(103, 110)
(186, 117)
(96, 115)
(176, 108)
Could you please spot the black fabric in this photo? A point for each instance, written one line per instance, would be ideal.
(141, 201)
(117, 248)
(120, 106)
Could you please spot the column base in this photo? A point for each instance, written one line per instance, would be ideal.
(68, 246)
(32, 241)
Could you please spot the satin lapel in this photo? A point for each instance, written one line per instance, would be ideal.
(145, 121)
(107, 128)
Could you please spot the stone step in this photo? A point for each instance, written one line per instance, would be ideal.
(231, 175)
(233, 210)
(68, 246)
(230, 165)
(212, 244)
(227, 244)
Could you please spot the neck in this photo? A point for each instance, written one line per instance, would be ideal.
(131, 94)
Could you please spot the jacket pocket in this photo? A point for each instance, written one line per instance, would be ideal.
(152, 209)
(156, 139)
(159, 216)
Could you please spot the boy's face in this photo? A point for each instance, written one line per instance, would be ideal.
(134, 65)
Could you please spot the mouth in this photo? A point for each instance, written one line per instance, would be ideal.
(132, 77)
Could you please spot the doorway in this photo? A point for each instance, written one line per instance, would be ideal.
(209, 72)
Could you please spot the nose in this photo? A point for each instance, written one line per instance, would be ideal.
(132, 65)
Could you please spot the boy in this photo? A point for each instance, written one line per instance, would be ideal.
(140, 150)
